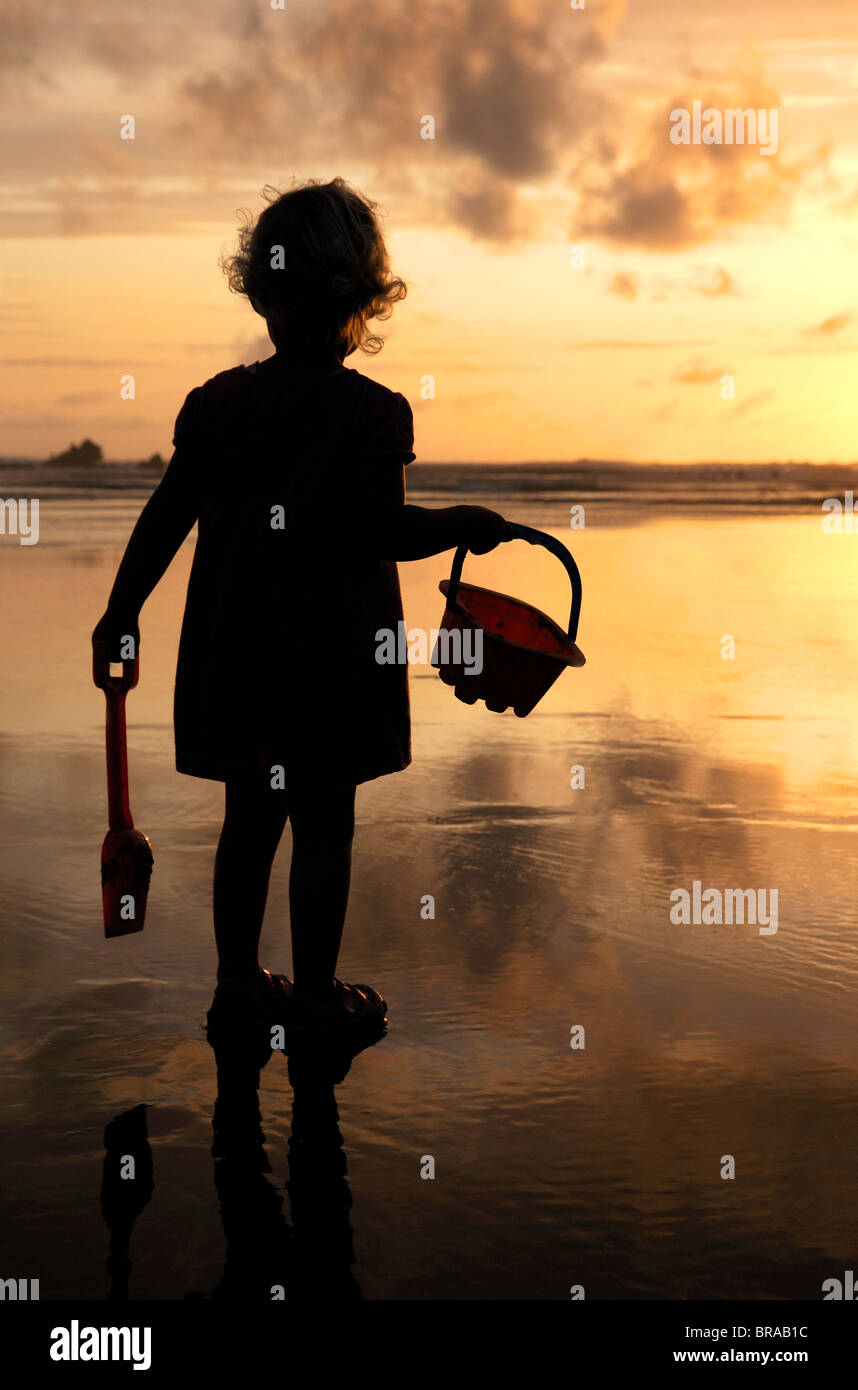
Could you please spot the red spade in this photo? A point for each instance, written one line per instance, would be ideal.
(126, 855)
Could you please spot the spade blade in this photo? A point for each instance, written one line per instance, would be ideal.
(126, 868)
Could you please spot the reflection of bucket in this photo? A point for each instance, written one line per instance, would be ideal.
(524, 651)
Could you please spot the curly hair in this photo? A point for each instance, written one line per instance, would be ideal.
(316, 266)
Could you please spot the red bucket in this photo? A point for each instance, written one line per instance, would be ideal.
(523, 651)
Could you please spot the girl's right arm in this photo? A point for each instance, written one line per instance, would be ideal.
(161, 528)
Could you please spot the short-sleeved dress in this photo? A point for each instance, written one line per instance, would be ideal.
(277, 658)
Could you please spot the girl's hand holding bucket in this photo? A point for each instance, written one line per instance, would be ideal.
(484, 530)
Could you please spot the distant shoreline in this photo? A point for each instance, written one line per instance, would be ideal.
(537, 465)
(689, 487)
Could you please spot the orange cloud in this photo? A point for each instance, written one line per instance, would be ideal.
(663, 197)
(829, 327)
(716, 283)
(694, 373)
(624, 284)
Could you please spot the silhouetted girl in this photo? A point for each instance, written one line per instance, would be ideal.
(293, 469)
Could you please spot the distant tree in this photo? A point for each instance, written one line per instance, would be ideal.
(153, 463)
(83, 455)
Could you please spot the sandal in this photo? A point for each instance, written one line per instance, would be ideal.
(348, 1007)
(242, 1015)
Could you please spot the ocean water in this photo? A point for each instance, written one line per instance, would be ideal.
(555, 1166)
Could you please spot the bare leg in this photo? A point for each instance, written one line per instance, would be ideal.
(322, 833)
(253, 824)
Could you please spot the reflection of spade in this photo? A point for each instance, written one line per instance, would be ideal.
(126, 1186)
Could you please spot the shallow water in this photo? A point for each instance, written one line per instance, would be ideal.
(554, 1166)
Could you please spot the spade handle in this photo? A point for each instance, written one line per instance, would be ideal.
(115, 689)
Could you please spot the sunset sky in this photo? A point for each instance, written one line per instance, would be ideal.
(552, 131)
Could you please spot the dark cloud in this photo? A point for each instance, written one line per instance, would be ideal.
(486, 207)
(502, 92)
(641, 206)
(20, 30)
(227, 98)
(224, 96)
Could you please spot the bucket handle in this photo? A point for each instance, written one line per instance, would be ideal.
(533, 537)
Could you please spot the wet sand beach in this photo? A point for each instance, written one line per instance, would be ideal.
(554, 1166)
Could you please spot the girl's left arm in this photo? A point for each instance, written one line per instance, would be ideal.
(396, 530)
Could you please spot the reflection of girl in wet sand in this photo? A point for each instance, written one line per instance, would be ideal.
(294, 470)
